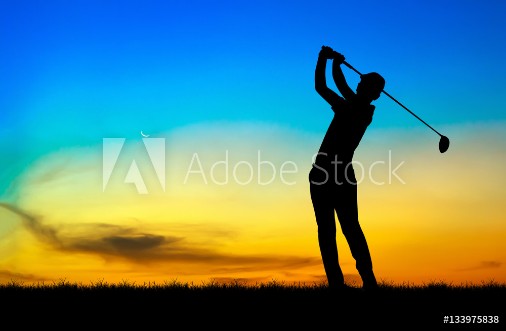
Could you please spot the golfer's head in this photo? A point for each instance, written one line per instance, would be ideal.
(370, 86)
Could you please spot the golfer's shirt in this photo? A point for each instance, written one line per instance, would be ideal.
(344, 133)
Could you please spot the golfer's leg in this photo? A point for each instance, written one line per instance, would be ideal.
(325, 219)
(347, 212)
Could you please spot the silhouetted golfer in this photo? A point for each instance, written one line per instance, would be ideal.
(332, 179)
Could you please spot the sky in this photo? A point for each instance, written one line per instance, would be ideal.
(157, 140)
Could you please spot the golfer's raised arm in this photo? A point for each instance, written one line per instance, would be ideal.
(339, 79)
(320, 80)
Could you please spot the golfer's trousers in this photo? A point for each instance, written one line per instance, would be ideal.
(338, 194)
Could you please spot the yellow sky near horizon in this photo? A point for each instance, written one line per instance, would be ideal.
(438, 217)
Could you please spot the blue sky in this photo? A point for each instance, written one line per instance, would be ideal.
(75, 72)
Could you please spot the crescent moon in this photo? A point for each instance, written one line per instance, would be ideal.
(144, 135)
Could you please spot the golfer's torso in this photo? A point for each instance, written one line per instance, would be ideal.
(345, 133)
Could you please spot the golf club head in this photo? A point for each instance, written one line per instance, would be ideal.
(444, 143)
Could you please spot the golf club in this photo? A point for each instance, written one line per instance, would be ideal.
(444, 142)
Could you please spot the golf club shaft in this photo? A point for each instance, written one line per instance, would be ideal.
(391, 97)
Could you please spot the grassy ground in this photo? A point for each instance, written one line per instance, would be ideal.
(267, 305)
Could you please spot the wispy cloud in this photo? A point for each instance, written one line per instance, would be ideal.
(7, 276)
(113, 241)
(43, 232)
(484, 265)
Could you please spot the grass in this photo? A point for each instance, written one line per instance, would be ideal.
(271, 302)
(273, 287)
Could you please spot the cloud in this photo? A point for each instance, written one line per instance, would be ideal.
(133, 246)
(44, 233)
(9, 276)
(484, 265)
(113, 241)
(258, 263)
(490, 264)
(141, 242)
